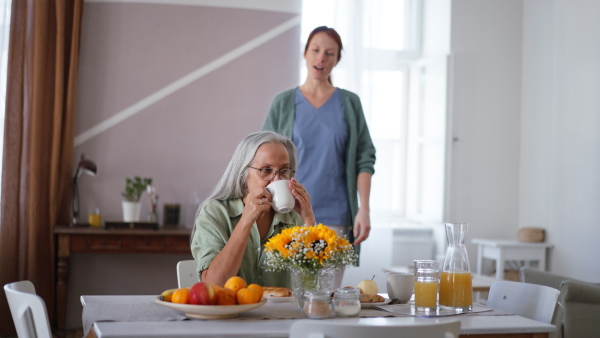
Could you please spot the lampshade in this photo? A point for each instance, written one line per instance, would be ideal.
(84, 166)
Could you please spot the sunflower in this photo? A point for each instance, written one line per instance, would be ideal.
(310, 247)
(280, 243)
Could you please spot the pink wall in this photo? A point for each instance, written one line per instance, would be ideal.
(183, 141)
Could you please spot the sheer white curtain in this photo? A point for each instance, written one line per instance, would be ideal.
(4, 30)
(380, 40)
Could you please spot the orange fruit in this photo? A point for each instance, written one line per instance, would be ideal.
(181, 296)
(216, 287)
(247, 296)
(235, 283)
(258, 289)
(226, 297)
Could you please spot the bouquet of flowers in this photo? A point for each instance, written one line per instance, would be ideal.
(308, 247)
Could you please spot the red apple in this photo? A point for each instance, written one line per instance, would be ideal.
(202, 294)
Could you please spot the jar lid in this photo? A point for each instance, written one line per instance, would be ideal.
(318, 295)
(347, 293)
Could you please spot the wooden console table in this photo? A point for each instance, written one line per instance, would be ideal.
(100, 240)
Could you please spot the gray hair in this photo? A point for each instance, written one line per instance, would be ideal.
(233, 182)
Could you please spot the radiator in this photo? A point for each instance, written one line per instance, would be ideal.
(411, 244)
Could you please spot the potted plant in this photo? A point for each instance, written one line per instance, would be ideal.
(132, 193)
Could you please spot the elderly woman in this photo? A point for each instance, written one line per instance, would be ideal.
(234, 223)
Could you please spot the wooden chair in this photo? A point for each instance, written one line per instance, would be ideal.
(28, 310)
(533, 301)
(186, 273)
(355, 329)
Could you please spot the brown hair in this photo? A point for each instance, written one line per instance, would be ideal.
(332, 34)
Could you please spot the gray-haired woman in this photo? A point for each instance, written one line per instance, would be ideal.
(234, 223)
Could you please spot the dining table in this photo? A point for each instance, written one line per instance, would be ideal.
(106, 316)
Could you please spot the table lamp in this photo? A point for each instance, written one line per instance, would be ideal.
(84, 166)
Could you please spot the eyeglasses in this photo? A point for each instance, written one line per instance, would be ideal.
(268, 174)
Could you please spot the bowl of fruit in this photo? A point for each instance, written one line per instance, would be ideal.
(208, 301)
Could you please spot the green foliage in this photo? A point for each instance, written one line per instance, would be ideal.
(135, 187)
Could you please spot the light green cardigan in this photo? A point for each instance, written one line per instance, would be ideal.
(360, 152)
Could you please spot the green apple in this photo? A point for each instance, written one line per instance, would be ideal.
(368, 287)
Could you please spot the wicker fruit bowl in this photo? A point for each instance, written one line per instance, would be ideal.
(531, 234)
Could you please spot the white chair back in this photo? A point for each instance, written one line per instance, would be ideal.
(533, 301)
(355, 329)
(186, 273)
(28, 310)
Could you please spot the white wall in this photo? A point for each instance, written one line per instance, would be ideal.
(526, 110)
(485, 108)
(560, 148)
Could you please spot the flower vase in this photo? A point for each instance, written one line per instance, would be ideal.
(304, 279)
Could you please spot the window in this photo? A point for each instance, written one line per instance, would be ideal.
(4, 30)
(403, 96)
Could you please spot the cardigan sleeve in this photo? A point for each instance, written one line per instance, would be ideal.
(365, 150)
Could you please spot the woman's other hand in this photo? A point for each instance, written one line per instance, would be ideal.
(302, 206)
(362, 226)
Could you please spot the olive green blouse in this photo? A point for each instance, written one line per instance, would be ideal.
(214, 225)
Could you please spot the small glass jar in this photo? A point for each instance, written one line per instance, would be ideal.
(346, 302)
(317, 304)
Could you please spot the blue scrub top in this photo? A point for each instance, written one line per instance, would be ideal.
(320, 135)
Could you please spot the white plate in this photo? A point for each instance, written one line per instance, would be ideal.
(280, 299)
(211, 311)
(372, 305)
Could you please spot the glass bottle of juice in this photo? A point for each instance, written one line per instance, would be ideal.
(456, 288)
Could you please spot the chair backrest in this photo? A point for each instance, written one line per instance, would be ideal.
(581, 302)
(535, 276)
(186, 273)
(533, 301)
(28, 310)
(355, 329)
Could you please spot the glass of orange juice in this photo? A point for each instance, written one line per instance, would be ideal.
(426, 284)
(94, 218)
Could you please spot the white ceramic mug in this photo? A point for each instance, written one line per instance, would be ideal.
(282, 199)
(400, 285)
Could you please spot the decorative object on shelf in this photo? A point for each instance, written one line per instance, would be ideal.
(171, 215)
(153, 198)
(85, 166)
(131, 225)
(531, 234)
(94, 218)
(132, 193)
(313, 253)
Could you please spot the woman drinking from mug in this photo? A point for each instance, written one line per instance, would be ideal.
(234, 223)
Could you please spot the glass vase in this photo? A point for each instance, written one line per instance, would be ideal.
(304, 279)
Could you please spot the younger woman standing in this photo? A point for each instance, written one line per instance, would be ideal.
(336, 156)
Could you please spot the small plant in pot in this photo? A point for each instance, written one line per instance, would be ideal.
(134, 187)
